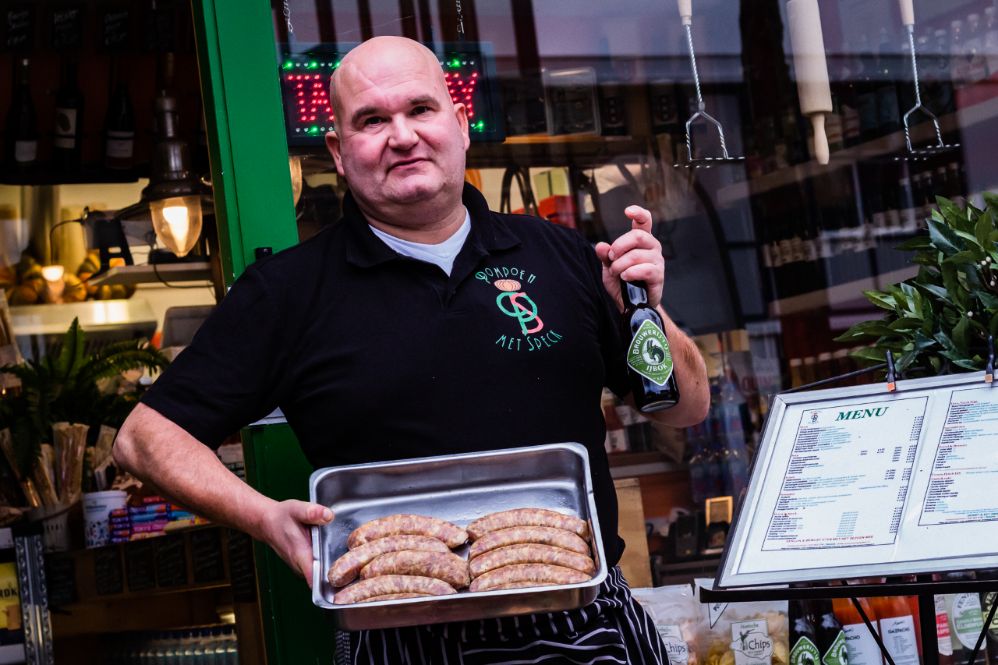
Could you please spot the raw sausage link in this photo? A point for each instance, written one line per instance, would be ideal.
(391, 584)
(447, 567)
(345, 569)
(528, 517)
(394, 596)
(531, 553)
(528, 574)
(415, 525)
(544, 535)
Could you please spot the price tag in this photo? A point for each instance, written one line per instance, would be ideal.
(67, 27)
(115, 22)
(19, 27)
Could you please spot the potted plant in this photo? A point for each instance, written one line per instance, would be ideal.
(939, 321)
(63, 392)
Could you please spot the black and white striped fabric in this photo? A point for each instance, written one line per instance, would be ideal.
(612, 629)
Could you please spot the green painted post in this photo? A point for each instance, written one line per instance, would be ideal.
(254, 208)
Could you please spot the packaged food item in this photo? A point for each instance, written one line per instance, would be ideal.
(756, 633)
(676, 614)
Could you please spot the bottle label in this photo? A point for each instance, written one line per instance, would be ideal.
(837, 653)
(675, 646)
(65, 128)
(967, 619)
(989, 600)
(805, 652)
(751, 643)
(861, 645)
(898, 634)
(120, 145)
(649, 353)
(25, 151)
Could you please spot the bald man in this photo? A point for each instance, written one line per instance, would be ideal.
(421, 324)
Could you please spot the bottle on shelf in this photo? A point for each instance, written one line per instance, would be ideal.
(973, 46)
(869, 114)
(649, 359)
(847, 96)
(991, 40)
(119, 125)
(958, 53)
(698, 463)
(942, 97)
(965, 624)
(22, 125)
(988, 599)
(899, 629)
(861, 645)
(803, 639)
(888, 107)
(944, 642)
(734, 454)
(68, 130)
(831, 637)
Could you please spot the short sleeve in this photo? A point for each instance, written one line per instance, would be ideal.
(230, 374)
(609, 325)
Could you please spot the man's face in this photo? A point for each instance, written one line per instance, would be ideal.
(400, 140)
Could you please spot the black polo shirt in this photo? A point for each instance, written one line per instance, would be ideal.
(374, 356)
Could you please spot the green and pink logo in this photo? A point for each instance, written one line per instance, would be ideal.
(516, 304)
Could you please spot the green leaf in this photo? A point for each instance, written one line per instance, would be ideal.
(991, 200)
(71, 354)
(917, 243)
(943, 237)
(881, 299)
(905, 323)
(966, 257)
(988, 300)
(865, 329)
(935, 290)
(959, 335)
(983, 229)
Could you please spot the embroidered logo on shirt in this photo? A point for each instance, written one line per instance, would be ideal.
(514, 303)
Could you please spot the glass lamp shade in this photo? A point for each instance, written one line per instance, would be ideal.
(177, 222)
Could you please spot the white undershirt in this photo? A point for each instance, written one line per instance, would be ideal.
(441, 254)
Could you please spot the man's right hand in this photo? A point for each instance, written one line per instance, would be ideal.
(285, 527)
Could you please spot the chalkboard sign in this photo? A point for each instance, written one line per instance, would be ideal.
(60, 579)
(107, 571)
(114, 26)
(19, 27)
(67, 27)
(206, 556)
(140, 565)
(171, 561)
(242, 572)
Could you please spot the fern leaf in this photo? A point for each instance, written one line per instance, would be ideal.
(104, 368)
(70, 358)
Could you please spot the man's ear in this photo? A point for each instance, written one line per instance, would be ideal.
(461, 113)
(333, 146)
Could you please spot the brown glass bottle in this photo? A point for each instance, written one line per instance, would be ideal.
(649, 359)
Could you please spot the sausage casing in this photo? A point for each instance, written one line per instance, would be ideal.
(345, 569)
(447, 566)
(394, 596)
(391, 584)
(531, 553)
(528, 517)
(412, 525)
(545, 535)
(527, 575)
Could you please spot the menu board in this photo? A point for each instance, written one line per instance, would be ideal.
(860, 482)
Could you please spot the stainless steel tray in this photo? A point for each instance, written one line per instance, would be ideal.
(458, 488)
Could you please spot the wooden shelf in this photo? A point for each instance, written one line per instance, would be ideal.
(193, 271)
(627, 465)
(890, 145)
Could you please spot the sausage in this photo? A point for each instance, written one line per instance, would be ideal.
(531, 553)
(345, 569)
(414, 525)
(528, 517)
(527, 575)
(391, 584)
(545, 535)
(394, 596)
(442, 566)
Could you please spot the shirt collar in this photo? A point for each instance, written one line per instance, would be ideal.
(489, 232)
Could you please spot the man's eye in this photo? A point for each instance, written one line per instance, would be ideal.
(372, 121)
(418, 110)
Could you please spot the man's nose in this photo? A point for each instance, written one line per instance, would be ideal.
(402, 136)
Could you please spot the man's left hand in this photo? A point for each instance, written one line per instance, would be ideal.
(634, 256)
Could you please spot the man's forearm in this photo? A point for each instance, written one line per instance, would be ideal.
(163, 454)
(691, 375)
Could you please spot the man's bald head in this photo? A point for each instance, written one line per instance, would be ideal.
(365, 60)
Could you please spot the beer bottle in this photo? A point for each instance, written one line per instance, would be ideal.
(803, 650)
(649, 360)
(831, 637)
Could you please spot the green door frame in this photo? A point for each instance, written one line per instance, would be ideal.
(254, 208)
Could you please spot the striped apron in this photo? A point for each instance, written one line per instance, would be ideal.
(612, 629)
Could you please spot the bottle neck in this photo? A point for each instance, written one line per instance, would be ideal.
(634, 294)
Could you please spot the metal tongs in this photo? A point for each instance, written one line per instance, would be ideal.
(908, 19)
(686, 14)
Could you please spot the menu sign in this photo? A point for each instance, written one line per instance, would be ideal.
(860, 482)
(19, 27)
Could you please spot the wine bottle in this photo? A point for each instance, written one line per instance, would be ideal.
(649, 359)
(119, 126)
(68, 120)
(22, 125)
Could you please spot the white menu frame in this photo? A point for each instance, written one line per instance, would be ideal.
(759, 553)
